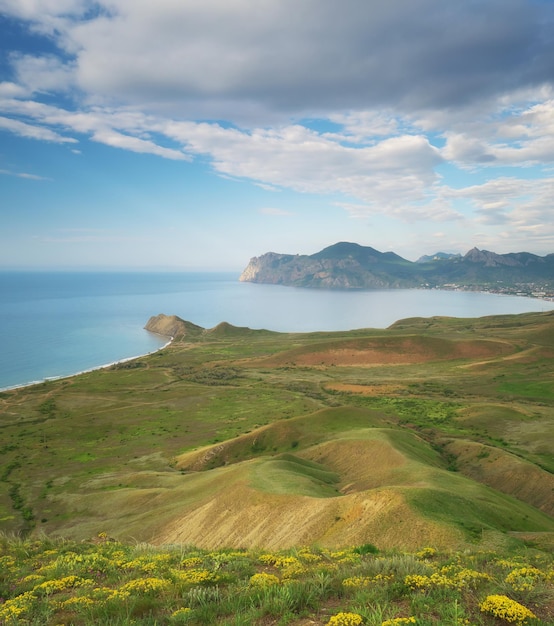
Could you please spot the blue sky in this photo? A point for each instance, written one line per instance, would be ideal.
(197, 134)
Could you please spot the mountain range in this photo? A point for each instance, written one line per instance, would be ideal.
(347, 265)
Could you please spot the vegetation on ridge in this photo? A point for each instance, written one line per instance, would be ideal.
(432, 440)
(433, 432)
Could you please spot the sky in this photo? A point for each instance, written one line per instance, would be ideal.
(196, 134)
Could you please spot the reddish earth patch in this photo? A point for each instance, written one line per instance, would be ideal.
(396, 351)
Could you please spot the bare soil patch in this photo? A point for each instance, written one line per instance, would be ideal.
(246, 518)
(396, 351)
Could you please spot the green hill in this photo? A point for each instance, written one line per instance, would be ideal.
(435, 431)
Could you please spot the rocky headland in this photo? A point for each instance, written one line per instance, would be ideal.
(171, 326)
(352, 266)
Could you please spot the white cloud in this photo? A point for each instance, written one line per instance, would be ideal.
(226, 57)
(517, 136)
(394, 175)
(23, 175)
(523, 205)
(267, 187)
(12, 90)
(386, 83)
(33, 132)
(391, 172)
(134, 144)
(43, 73)
(465, 149)
(100, 125)
(364, 126)
(37, 10)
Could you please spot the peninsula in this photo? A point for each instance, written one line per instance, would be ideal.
(347, 265)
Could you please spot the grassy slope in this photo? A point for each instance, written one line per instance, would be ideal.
(250, 438)
(50, 582)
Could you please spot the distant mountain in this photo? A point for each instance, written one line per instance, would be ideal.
(439, 256)
(351, 266)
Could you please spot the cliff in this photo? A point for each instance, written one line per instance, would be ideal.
(342, 266)
(351, 266)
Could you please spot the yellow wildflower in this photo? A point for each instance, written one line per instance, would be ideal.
(193, 561)
(524, 578)
(263, 580)
(180, 615)
(146, 586)
(366, 581)
(76, 603)
(507, 609)
(60, 584)
(194, 576)
(426, 553)
(345, 619)
(13, 609)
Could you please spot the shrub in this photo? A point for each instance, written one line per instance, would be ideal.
(145, 586)
(263, 580)
(524, 578)
(345, 619)
(180, 616)
(507, 609)
(366, 548)
(426, 553)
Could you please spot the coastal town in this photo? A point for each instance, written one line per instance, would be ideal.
(541, 291)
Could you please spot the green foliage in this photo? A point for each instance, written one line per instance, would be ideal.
(416, 411)
(289, 474)
(214, 375)
(49, 582)
(185, 426)
(366, 548)
(48, 407)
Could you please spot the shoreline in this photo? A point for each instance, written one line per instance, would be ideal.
(87, 371)
(541, 302)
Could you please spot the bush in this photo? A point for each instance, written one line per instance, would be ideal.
(504, 608)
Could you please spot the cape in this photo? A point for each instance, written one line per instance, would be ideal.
(352, 266)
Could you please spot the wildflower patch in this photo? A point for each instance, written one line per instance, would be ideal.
(505, 608)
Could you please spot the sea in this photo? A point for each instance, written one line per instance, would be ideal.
(57, 324)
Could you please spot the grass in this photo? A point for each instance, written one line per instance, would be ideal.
(334, 436)
(288, 474)
(48, 582)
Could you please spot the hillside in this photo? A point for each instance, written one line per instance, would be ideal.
(351, 266)
(434, 431)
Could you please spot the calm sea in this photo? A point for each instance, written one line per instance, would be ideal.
(58, 324)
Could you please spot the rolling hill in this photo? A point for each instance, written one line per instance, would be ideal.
(435, 431)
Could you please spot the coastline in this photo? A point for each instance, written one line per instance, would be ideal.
(86, 371)
(285, 309)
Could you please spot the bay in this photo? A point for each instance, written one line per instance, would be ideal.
(55, 324)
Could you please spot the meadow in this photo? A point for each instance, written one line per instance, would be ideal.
(393, 459)
(102, 581)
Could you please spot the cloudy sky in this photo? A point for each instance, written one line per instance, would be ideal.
(196, 134)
